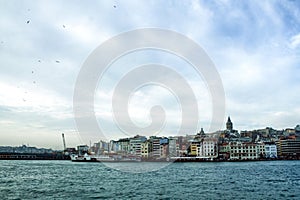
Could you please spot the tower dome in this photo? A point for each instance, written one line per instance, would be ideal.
(229, 125)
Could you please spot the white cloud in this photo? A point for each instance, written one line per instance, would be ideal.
(15, 96)
(295, 41)
(253, 44)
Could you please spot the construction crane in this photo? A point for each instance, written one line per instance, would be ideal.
(64, 141)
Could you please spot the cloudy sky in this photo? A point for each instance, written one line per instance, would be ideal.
(255, 46)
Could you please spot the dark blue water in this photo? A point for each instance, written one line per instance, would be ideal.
(67, 180)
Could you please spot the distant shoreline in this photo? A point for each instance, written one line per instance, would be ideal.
(33, 156)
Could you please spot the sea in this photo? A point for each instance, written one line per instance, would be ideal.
(33, 179)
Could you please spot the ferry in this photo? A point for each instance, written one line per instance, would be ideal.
(102, 158)
(88, 158)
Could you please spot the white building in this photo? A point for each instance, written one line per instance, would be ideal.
(124, 145)
(260, 147)
(173, 146)
(244, 151)
(208, 148)
(136, 145)
(270, 150)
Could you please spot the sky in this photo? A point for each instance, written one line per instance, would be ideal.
(254, 45)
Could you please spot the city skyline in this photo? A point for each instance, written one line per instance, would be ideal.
(254, 46)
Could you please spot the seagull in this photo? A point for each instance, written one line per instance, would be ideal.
(28, 21)
(57, 61)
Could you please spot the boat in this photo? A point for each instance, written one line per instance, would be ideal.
(89, 158)
(102, 158)
(84, 158)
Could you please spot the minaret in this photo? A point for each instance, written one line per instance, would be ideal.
(229, 125)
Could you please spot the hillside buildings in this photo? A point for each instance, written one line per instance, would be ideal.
(228, 144)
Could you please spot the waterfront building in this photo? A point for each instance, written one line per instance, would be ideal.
(289, 147)
(260, 149)
(154, 146)
(208, 148)
(124, 146)
(164, 147)
(183, 145)
(100, 147)
(113, 146)
(194, 148)
(145, 149)
(270, 150)
(164, 153)
(173, 147)
(243, 151)
(224, 151)
(136, 145)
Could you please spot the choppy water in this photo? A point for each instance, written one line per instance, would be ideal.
(67, 180)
